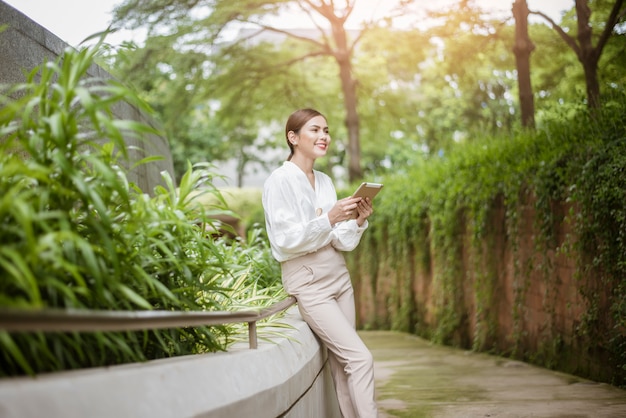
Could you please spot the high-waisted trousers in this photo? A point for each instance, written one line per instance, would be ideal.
(320, 282)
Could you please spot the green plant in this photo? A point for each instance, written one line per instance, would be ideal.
(510, 216)
(75, 233)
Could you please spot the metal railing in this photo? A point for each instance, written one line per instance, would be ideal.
(57, 320)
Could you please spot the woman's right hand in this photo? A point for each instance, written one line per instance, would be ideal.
(343, 210)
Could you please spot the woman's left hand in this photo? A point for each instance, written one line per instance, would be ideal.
(365, 209)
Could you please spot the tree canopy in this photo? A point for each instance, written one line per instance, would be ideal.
(223, 75)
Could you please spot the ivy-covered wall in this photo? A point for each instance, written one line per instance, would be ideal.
(512, 246)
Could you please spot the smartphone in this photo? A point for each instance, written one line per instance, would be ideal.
(367, 190)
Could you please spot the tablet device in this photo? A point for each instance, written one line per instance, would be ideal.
(368, 190)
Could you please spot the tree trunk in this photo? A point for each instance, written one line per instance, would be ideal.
(589, 55)
(241, 169)
(591, 81)
(348, 86)
(523, 48)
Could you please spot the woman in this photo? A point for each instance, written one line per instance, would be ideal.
(308, 228)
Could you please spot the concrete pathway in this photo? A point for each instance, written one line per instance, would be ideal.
(417, 379)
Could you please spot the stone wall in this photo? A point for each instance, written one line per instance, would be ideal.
(513, 294)
(24, 45)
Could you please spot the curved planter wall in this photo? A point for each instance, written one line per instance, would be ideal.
(288, 377)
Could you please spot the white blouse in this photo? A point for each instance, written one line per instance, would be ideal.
(292, 214)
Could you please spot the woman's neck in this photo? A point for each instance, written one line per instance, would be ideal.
(305, 164)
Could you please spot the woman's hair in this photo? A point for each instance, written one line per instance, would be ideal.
(296, 121)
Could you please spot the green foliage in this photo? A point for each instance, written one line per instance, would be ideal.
(439, 216)
(421, 90)
(162, 76)
(602, 246)
(76, 234)
(245, 203)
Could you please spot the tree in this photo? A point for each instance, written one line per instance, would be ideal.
(420, 90)
(387, 65)
(217, 15)
(582, 44)
(163, 76)
(468, 86)
(522, 49)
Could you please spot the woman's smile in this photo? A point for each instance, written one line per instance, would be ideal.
(322, 144)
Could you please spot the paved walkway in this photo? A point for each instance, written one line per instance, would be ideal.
(419, 380)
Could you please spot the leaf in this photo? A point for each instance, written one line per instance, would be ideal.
(19, 270)
(133, 296)
(8, 345)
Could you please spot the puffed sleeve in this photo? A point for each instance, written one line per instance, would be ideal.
(347, 235)
(292, 225)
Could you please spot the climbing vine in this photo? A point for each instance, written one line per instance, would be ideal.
(485, 241)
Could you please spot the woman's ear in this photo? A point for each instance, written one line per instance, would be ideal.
(291, 135)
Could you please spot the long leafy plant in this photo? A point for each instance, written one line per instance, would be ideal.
(75, 233)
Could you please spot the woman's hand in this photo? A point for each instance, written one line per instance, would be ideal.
(364, 209)
(344, 209)
(351, 208)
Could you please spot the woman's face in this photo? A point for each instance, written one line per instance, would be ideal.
(313, 139)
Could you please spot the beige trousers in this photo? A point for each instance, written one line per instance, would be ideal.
(321, 283)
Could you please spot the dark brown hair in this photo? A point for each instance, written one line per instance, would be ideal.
(296, 121)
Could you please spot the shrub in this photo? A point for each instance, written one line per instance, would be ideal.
(75, 233)
(435, 227)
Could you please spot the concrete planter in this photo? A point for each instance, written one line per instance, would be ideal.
(287, 377)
